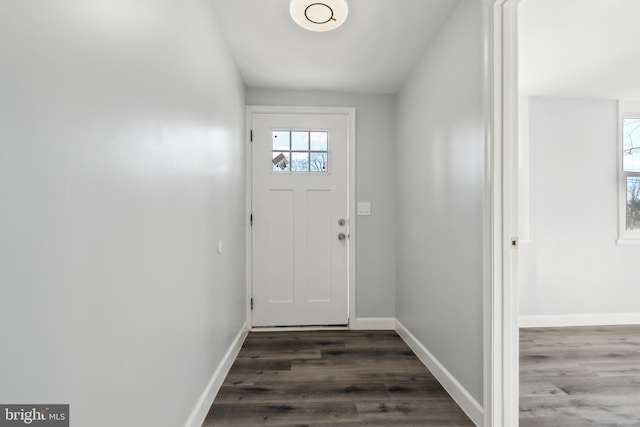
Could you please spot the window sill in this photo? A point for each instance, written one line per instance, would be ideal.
(626, 241)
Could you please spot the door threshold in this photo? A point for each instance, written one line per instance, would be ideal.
(299, 328)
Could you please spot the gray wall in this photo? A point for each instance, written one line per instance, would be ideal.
(440, 190)
(121, 133)
(573, 265)
(375, 182)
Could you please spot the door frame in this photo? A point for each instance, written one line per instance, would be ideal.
(501, 333)
(350, 114)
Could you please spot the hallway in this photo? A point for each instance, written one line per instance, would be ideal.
(331, 378)
(125, 222)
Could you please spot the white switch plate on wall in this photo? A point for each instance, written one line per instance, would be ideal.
(364, 208)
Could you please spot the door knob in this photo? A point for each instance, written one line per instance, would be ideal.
(342, 236)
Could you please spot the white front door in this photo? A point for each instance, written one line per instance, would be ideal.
(300, 228)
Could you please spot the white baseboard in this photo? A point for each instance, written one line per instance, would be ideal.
(600, 319)
(375, 323)
(205, 401)
(462, 397)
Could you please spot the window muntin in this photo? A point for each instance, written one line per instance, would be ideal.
(302, 151)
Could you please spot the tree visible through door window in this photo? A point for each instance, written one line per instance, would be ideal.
(300, 151)
(630, 171)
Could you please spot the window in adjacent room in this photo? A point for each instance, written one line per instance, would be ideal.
(629, 172)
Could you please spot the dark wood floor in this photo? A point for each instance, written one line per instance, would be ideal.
(331, 378)
(580, 376)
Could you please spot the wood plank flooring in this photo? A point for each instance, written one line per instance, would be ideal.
(580, 376)
(331, 378)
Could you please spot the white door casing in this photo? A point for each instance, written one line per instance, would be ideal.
(501, 371)
(299, 265)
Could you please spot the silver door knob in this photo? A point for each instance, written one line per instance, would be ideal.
(342, 236)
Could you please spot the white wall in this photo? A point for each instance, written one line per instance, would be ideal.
(573, 265)
(375, 182)
(121, 166)
(440, 190)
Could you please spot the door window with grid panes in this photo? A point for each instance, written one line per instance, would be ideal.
(300, 151)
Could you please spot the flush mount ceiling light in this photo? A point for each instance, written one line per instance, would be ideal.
(319, 15)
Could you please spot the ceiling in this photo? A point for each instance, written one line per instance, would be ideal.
(580, 48)
(373, 51)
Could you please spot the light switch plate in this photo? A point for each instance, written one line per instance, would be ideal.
(364, 208)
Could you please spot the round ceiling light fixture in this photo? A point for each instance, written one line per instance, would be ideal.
(319, 15)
